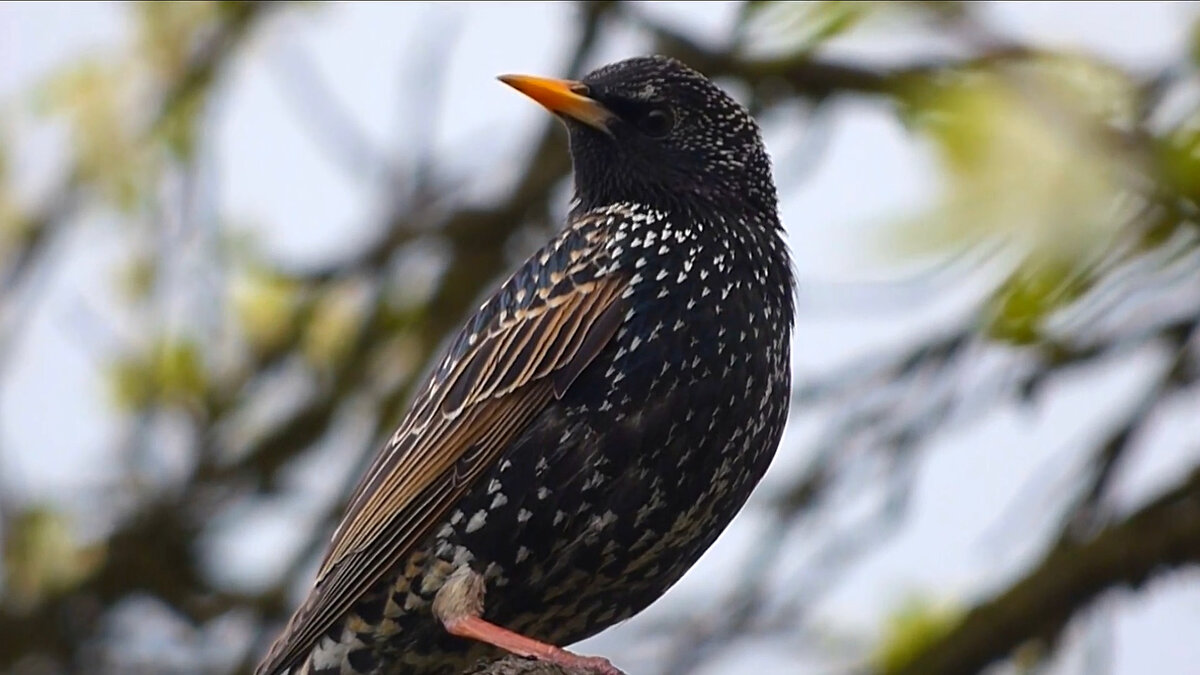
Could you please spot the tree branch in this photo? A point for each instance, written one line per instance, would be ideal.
(515, 665)
(1162, 535)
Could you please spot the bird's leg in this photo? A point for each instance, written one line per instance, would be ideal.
(459, 604)
(476, 628)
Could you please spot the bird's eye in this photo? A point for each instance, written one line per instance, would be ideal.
(657, 122)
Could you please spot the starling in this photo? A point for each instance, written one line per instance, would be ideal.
(597, 422)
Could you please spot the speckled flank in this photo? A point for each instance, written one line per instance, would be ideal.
(622, 477)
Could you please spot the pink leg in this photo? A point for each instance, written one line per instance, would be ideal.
(477, 629)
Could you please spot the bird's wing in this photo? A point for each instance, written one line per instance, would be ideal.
(524, 346)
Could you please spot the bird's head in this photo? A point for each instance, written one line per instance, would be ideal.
(654, 131)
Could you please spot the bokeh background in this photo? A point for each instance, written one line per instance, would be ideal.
(232, 235)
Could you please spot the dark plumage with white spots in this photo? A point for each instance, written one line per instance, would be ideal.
(597, 423)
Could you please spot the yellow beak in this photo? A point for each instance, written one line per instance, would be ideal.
(562, 97)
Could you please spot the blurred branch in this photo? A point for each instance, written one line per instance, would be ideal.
(1086, 515)
(1160, 536)
(476, 230)
(39, 228)
(154, 550)
(237, 19)
(807, 75)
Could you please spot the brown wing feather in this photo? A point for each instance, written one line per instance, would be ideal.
(457, 428)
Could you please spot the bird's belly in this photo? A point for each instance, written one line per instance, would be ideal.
(593, 513)
(608, 508)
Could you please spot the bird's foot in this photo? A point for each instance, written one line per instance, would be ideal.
(475, 628)
(595, 664)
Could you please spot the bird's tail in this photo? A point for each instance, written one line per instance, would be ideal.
(310, 667)
(327, 657)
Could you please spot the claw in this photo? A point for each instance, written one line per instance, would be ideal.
(597, 664)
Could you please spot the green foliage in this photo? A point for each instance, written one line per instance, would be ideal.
(1028, 157)
(170, 372)
(96, 100)
(138, 277)
(13, 225)
(918, 623)
(167, 34)
(1018, 160)
(42, 558)
(1178, 155)
(109, 103)
(810, 23)
(1194, 42)
(177, 128)
(1033, 293)
(334, 325)
(265, 307)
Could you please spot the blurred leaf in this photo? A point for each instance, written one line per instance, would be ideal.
(1082, 85)
(937, 8)
(1029, 157)
(168, 33)
(1179, 159)
(130, 383)
(95, 99)
(798, 27)
(265, 305)
(1025, 160)
(335, 323)
(14, 227)
(1018, 310)
(137, 277)
(180, 370)
(395, 361)
(1194, 41)
(108, 103)
(177, 128)
(41, 557)
(918, 623)
(171, 372)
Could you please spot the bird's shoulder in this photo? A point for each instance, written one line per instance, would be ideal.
(589, 252)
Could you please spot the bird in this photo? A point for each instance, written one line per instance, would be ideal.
(596, 423)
